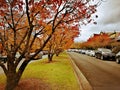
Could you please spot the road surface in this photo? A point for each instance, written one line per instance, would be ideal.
(102, 75)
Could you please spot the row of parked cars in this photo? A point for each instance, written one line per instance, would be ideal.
(101, 53)
(37, 57)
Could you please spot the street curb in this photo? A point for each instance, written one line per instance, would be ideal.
(82, 81)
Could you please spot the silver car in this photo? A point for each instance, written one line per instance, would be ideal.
(118, 57)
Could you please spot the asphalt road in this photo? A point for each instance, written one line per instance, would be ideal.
(102, 75)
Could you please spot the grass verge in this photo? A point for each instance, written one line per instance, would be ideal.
(57, 75)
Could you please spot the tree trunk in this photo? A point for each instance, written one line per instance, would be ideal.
(13, 77)
(50, 56)
(12, 81)
(57, 54)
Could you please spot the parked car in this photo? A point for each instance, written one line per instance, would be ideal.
(3, 59)
(118, 57)
(92, 53)
(103, 53)
(45, 52)
(83, 51)
(38, 56)
(87, 52)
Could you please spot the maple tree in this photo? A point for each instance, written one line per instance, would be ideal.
(61, 40)
(26, 23)
(101, 40)
(77, 45)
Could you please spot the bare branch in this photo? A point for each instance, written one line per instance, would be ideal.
(8, 22)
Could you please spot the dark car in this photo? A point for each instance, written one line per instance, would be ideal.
(103, 53)
(3, 59)
(118, 57)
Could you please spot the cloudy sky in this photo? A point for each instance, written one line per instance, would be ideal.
(108, 20)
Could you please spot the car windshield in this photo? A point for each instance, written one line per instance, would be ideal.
(106, 50)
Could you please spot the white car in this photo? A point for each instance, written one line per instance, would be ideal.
(92, 53)
(38, 56)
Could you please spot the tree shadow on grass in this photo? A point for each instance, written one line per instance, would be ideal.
(30, 84)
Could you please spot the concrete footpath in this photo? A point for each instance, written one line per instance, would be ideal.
(82, 81)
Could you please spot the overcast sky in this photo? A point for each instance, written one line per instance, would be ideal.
(108, 20)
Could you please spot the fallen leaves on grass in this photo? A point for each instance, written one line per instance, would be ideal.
(30, 84)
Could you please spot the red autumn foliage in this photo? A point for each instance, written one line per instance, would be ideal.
(98, 40)
(23, 23)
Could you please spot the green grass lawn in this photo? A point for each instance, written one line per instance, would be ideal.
(59, 74)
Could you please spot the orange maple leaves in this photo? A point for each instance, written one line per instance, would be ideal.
(98, 40)
(44, 17)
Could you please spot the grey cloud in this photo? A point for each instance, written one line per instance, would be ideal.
(108, 20)
(111, 12)
(111, 17)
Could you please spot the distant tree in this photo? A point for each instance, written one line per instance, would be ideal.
(98, 41)
(77, 45)
(61, 40)
(25, 22)
(102, 40)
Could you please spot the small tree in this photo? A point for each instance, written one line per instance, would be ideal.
(22, 24)
(61, 40)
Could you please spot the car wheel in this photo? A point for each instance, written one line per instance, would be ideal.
(117, 60)
(96, 56)
(102, 57)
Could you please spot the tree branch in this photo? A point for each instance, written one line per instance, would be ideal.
(4, 68)
(19, 19)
